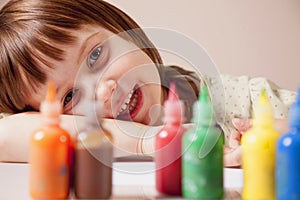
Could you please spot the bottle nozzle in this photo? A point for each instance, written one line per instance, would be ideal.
(174, 109)
(172, 96)
(263, 100)
(263, 95)
(203, 97)
(298, 96)
(51, 93)
(51, 107)
(263, 112)
(294, 113)
(203, 108)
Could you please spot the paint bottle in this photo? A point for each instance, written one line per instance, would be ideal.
(49, 155)
(288, 158)
(258, 153)
(202, 153)
(93, 157)
(168, 146)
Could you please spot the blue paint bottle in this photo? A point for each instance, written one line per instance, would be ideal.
(288, 157)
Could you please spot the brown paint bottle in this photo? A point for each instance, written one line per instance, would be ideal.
(93, 158)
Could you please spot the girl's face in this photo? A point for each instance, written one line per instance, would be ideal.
(108, 68)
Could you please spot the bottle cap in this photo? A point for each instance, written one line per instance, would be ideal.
(263, 111)
(173, 107)
(51, 107)
(294, 115)
(203, 109)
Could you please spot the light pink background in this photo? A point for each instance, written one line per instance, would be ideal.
(249, 37)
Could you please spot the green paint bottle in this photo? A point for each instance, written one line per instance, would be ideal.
(202, 149)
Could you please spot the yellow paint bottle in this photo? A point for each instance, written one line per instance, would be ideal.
(258, 153)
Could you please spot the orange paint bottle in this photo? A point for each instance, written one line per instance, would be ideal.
(49, 157)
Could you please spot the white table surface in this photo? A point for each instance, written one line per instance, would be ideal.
(131, 180)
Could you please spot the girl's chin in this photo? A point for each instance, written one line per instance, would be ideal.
(152, 121)
(128, 117)
(139, 118)
(142, 118)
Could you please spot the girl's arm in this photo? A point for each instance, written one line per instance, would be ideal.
(130, 138)
(242, 125)
(15, 131)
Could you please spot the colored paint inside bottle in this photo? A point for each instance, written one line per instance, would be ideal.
(202, 153)
(258, 153)
(168, 146)
(94, 158)
(49, 155)
(288, 157)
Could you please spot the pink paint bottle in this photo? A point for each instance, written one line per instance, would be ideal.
(168, 146)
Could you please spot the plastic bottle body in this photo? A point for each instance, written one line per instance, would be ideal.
(93, 171)
(287, 166)
(50, 148)
(202, 174)
(168, 159)
(258, 162)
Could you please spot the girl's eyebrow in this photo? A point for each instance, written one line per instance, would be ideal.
(88, 44)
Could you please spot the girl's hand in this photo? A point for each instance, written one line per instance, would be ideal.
(233, 152)
(242, 125)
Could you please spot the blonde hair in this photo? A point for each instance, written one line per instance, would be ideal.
(31, 30)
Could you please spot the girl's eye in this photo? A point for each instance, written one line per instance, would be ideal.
(94, 56)
(69, 99)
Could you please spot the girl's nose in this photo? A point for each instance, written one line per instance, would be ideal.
(105, 90)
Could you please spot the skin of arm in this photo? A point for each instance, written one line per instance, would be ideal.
(15, 132)
(130, 138)
(242, 125)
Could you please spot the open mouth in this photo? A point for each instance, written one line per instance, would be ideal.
(132, 104)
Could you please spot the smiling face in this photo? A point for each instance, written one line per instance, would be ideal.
(103, 66)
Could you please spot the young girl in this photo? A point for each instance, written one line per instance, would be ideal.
(93, 50)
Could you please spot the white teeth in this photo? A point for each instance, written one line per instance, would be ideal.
(126, 105)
